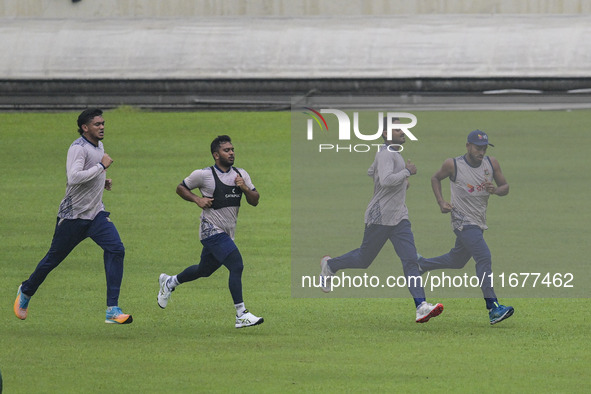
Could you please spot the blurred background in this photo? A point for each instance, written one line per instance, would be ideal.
(239, 54)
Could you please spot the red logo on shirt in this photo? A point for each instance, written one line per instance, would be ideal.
(477, 188)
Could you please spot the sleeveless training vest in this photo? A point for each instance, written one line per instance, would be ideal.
(468, 195)
(225, 195)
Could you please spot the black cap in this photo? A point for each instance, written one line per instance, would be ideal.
(478, 137)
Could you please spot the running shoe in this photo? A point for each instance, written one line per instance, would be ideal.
(426, 311)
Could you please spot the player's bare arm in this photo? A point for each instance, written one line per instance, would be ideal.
(252, 196)
(446, 171)
(108, 184)
(502, 187)
(188, 195)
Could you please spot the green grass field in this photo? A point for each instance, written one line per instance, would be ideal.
(306, 344)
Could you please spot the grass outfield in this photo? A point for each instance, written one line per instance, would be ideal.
(305, 344)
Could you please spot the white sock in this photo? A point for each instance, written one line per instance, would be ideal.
(172, 282)
(240, 309)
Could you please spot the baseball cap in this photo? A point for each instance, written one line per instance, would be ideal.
(478, 137)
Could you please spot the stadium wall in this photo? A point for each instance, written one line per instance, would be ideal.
(121, 52)
(279, 8)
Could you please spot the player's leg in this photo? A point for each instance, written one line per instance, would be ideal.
(473, 239)
(210, 261)
(233, 262)
(235, 265)
(104, 233)
(225, 250)
(456, 258)
(374, 238)
(208, 264)
(215, 249)
(220, 249)
(67, 234)
(402, 239)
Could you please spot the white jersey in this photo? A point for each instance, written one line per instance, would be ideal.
(469, 198)
(86, 181)
(222, 220)
(388, 207)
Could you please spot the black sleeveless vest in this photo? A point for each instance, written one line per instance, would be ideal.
(225, 195)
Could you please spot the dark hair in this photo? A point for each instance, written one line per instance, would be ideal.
(220, 139)
(385, 122)
(86, 116)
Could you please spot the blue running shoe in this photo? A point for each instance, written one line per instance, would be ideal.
(115, 315)
(21, 304)
(500, 313)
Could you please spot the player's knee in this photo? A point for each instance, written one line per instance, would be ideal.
(365, 261)
(117, 249)
(237, 269)
(461, 263)
(204, 272)
(484, 259)
(408, 264)
(235, 266)
(234, 262)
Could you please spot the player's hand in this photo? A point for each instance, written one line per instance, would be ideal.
(108, 184)
(445, 207)
(411, 167)
(490, 187)
(106, 160)
(204, 202)
(240, 183)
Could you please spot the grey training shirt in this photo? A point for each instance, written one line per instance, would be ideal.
(388, 207)
(86, 181)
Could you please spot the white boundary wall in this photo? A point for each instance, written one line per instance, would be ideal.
(282, 8)
(312, 47)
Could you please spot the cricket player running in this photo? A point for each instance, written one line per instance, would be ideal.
(222, 186)
(471, 183)
(386, 218)
(82, 215)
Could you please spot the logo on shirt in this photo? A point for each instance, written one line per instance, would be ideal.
(233, 194)
(477, 188)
